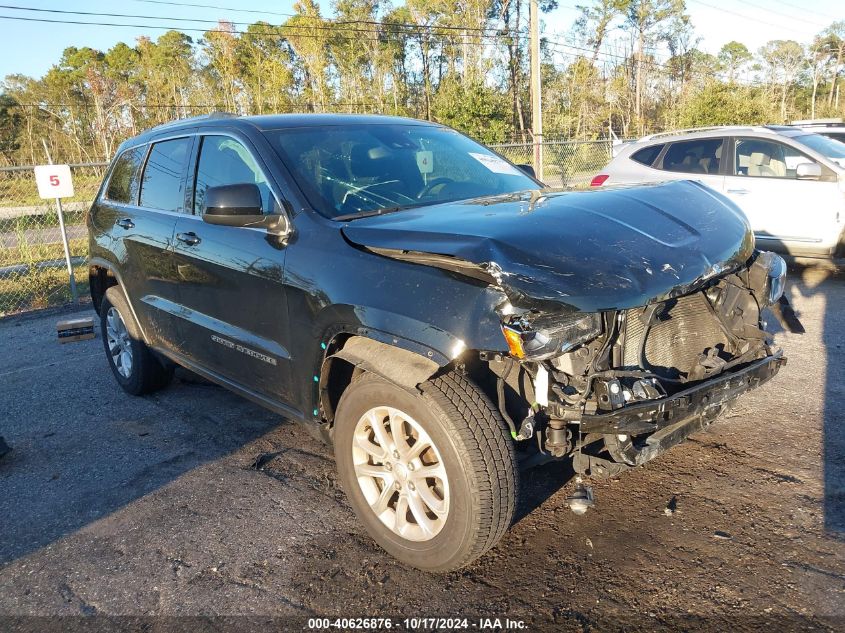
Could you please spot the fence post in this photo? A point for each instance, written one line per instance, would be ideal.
(71, 276)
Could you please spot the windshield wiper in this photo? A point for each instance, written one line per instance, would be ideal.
(366, 214)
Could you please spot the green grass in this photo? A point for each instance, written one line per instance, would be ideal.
(40, 289)
(26, 253)
(49, 220)
(36, 287)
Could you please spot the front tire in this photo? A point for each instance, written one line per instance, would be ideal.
(131, 361)
(432, 476)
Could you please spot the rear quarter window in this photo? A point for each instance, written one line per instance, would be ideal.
(125, 177)
(647, 155)
(697, 156)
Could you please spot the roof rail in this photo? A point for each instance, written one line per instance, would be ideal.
(812, 122)
(702, 129)
(202, 117)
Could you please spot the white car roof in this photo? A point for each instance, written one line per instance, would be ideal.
(726, 130)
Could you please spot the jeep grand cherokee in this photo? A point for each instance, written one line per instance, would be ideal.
(428, 306)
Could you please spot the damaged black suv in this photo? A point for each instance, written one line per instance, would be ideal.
(428, 307)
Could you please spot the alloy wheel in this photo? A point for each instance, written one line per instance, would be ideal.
(401, 473)
(120, 344)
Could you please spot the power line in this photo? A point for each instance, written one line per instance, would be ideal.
(747, 17)
(297, 31)
(289, 32)
(795, 6)
(292, 15)
(549, 42)
(114, 15)
(309, 27)
(553, 43)
(283, 31)
(786, 15)
(274, 33)
(556, 46)
(211, 6)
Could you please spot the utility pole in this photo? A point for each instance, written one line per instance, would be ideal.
(536, 90)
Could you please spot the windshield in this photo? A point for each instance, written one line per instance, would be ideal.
(369, 169)
(834, 150)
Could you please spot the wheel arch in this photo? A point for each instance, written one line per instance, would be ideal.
(102, 275)
(404, 363)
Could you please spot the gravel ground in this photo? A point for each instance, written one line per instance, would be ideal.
(120, 506)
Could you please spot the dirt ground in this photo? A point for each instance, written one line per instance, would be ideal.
(119, 506)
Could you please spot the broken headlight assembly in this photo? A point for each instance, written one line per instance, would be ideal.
(768, 273)
(548, 336)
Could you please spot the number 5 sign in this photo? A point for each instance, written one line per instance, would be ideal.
(54, 181)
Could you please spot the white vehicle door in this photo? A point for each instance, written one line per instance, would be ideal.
(786, 213)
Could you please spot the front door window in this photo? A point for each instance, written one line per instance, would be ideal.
(760, 158)
(225, 161)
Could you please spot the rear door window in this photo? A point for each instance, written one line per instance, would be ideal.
(225, 161)
(700, 156)
(760, 158)
(648, 155)
(125, 177)
(163, 183)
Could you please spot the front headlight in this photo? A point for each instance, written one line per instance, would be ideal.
(545, 337)
(774, 268)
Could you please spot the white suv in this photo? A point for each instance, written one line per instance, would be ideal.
(789, 182)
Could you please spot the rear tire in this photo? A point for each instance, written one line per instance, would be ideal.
(439, 510)
(134, 366)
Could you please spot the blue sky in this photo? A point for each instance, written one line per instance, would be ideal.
(32, 47)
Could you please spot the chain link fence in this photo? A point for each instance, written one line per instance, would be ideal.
(33, 273)
(565, 163)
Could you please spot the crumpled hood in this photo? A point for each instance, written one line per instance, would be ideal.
(611, 248)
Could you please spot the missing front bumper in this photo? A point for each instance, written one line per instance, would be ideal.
(704, 401)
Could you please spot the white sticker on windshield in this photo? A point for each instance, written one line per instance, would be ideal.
(496, 164)
(425, 161)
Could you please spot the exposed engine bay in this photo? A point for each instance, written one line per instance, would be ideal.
(616, 388)
(629, 320)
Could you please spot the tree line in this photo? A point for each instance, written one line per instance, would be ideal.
(625, 66)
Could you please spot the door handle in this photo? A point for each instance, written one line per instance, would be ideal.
(191, 239)
(125, 223)
(739, 192)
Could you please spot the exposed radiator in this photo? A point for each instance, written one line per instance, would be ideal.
(685, 330)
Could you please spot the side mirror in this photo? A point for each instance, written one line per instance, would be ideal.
(232, 200)
(240, 205)
(528, 169)
(808, 171)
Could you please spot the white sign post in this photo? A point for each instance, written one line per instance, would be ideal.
(54, 181)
